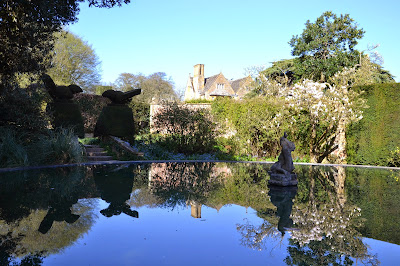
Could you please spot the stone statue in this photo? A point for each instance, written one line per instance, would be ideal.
(60, 93)
(281, 172)
(119, 97)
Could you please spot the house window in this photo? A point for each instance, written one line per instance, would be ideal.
(220, 86)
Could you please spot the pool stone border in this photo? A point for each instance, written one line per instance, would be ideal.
(114, 162)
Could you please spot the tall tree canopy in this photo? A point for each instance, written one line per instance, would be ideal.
(155, 87)
(27, 27)
(326, 46)
(74, 62)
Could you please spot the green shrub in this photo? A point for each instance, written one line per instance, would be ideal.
(52, 147)
(12, 151)
(373, 139)
(185, 130)
(256, 123)
(141, 116)
(59, 146)
(394, 159)
(23, 108)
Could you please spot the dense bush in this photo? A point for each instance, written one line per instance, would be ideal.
(58, 147)
(256, 124)
(12, 150)
(49, 147)
(376, 137)
(23, 109)
(184, 129)
(91, 106)
(141, 115)
(394, 159)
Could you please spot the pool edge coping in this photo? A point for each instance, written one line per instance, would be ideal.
(115, 162)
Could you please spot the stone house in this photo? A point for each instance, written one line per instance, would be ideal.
(199, 87)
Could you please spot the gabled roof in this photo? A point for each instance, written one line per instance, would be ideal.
(209, 81)
(238, 83)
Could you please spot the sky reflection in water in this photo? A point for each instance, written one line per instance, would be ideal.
(196, 214)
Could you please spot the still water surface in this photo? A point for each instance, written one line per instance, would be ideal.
(199, 214)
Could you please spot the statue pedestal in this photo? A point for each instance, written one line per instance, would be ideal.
(115, 120)
(278, 179)
(67, 114)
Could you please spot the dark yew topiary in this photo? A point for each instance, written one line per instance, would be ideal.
(115, 120)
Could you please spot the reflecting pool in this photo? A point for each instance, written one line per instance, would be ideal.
(199, 214)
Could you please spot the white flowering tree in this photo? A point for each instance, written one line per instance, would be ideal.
(318, 110)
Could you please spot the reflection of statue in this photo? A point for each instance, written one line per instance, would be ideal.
(282, 198)
(60, 210)
(119, 97)
(57, 213)
(60, 93)
(115, 188)
(282, 171)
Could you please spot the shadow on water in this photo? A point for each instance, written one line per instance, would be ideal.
(324, 218)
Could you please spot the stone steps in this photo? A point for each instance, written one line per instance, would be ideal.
(96, 153)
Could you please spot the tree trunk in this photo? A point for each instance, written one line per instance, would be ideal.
(313, 153)
(340, 141)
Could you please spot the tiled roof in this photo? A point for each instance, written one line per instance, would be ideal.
(237, 84)
(208, 82)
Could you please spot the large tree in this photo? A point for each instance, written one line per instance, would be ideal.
(155, 87)
(326, 46)
(27, 28)
(74, 62)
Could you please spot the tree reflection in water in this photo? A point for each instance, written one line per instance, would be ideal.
(32, 202)
(180, 184)
(322, 223)
(326, 224)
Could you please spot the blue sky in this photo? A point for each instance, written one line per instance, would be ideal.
(228, 36)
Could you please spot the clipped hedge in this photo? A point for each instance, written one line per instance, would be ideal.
(376, 137)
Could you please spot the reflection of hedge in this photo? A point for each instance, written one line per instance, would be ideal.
(91, 106)
(376, 136)
(376, 193)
